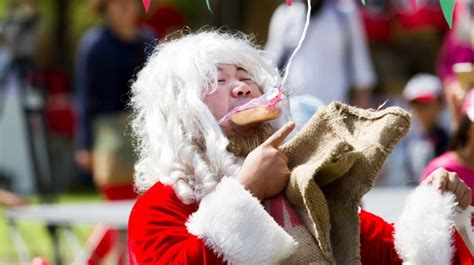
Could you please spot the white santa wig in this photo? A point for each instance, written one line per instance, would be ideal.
(178, 140)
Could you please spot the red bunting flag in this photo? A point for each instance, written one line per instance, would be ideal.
(413, 5)
(289, 2)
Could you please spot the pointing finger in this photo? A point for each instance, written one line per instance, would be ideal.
(279, 136)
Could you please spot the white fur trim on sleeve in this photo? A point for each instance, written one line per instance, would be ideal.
(235, 225)
(423, 234)
(464, 227)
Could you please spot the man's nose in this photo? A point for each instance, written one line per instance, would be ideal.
(241, 90)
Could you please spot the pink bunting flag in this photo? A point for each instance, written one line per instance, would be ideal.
(289, 2)
(413, 5)
(146, 4)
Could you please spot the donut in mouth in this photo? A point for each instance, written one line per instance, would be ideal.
(255, 115)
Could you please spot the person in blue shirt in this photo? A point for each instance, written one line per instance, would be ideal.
(107, 59)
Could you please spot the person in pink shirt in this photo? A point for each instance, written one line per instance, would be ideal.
(458, 47)
(460, 157)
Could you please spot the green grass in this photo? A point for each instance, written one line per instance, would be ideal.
(36, 235)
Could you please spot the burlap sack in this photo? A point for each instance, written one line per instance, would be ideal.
(335, 159)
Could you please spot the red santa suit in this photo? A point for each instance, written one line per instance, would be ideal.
(229, 225)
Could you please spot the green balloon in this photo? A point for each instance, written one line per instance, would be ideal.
(448, 7)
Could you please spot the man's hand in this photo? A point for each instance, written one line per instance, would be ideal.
(443, 180)
(265, 171)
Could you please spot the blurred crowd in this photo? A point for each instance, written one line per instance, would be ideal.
(383, 52)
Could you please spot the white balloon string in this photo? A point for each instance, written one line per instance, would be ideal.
(303, 36)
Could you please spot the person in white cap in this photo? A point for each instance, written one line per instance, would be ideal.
(428, 139)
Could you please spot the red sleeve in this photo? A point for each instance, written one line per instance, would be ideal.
(376, 241)
(157, 233)
(462, 255)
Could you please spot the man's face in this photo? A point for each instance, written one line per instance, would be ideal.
(235, 87)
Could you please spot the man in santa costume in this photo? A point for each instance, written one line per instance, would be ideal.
(203, 178)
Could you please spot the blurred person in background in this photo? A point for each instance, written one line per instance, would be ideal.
(303, 107)
(429, 139)
(460, 157)
(404, 40)
(5, 56)
(333, 59)
(108, 57)
(21, 32)
(458, 47)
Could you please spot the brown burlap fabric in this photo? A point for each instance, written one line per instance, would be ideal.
(335, 159)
